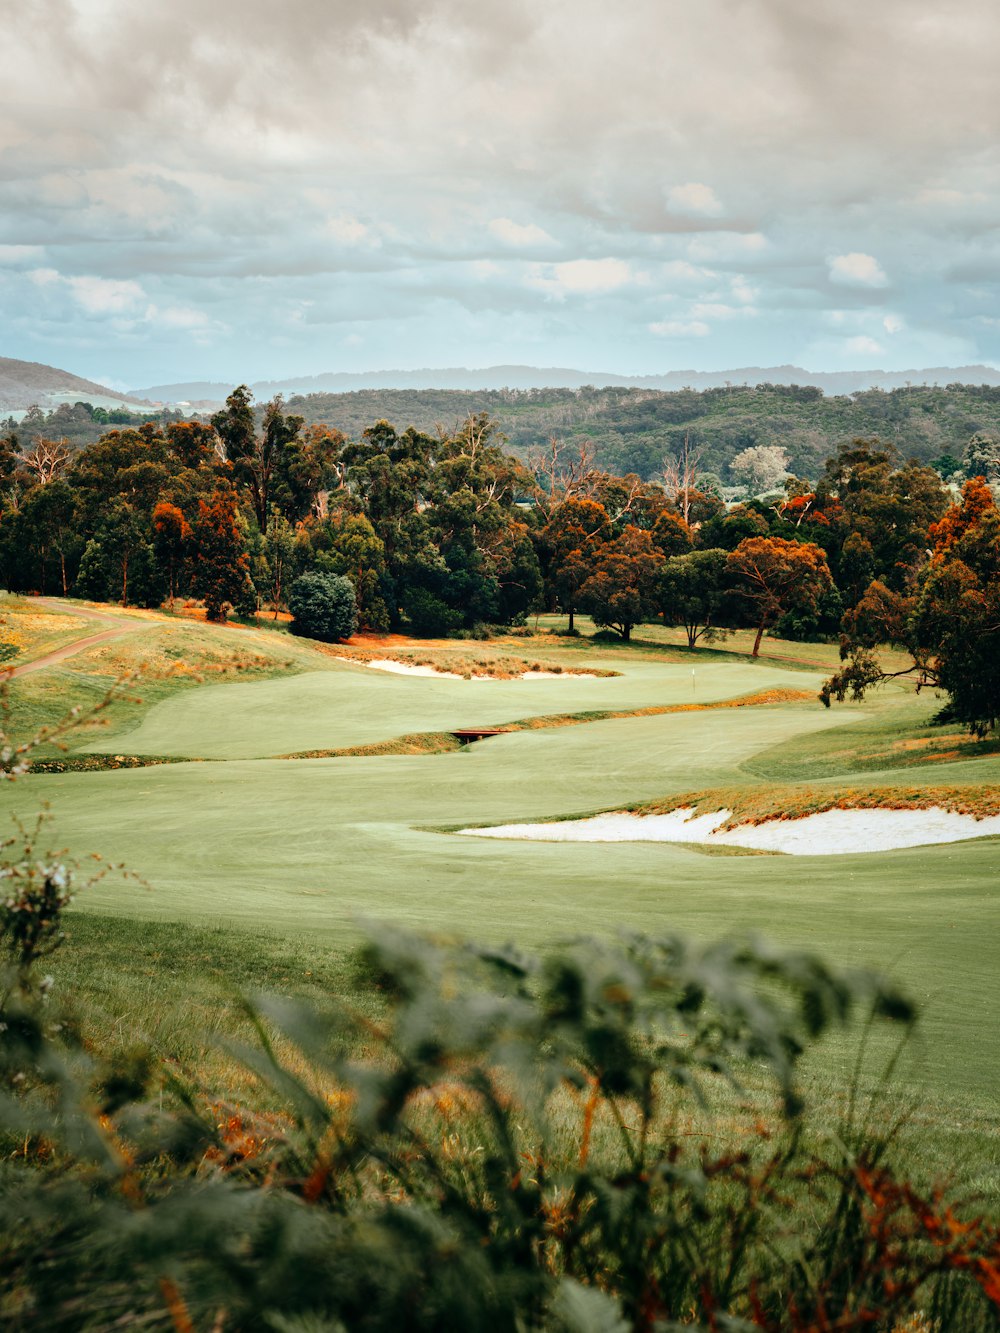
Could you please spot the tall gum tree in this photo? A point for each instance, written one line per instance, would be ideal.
(771, 576)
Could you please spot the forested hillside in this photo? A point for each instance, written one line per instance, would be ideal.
(632, 429)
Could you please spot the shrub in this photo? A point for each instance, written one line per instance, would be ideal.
(323, 607)
(428, 615)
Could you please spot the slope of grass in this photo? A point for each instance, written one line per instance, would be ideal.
(29, 629)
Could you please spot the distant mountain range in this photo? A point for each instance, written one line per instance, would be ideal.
(205, 393)
(25, 384)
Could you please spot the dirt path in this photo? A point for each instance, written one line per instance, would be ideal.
(119, 628)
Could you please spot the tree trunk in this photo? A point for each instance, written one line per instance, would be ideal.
(125, 581)
(62, 563)
(570, 626)
(626, 633)
(756, 642)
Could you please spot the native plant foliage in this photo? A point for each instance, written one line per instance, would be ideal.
(949, 623)
(323, 607)
(221, 564)
(772, 576)
(694, 592)
(620, 591)
(493, 1140)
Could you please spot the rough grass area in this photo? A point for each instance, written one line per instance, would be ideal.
(29, 629)
(428, 742)
(759, 805)
(178, 989)
(164, 657)
(462, 663)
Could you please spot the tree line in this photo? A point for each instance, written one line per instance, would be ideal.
(630, 428)
(445, 533)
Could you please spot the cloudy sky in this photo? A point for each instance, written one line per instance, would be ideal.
(240, 189)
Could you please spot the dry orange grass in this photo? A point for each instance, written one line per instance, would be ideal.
(764, 804)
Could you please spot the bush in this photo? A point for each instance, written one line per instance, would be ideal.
(428, 615)
(323, 607)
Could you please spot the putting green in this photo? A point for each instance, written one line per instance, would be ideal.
(355, 705)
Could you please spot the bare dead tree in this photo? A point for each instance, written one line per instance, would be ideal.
(563, 470)
(47, 459)
(679, 473)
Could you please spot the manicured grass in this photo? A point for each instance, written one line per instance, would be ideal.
(289, 853)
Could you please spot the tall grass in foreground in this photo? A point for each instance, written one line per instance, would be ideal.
(512, 1144)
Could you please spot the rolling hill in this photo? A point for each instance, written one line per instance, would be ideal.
(209, 393)
(25, 384)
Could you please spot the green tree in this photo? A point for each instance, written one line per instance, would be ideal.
(278, 551)
(261, 459)
(950, 625)
(47, 528)
(693, 591)
(891, 507)
(323, 607)
(127, 551)
(982, 456)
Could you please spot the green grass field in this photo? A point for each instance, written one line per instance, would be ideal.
(260, 867)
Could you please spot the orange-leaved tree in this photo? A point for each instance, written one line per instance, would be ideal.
(621, 591)
(171, 536)
(571, 539)
(222, 564)
(771, 576)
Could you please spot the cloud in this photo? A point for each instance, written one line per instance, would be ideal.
(20, 254)
(857, 270)
(105, 296)
(694, 200)
(349, 230)
(586, 277)
(138, 148)
(721, 246)
(519, 234)
(893, 324)
(179, 317)
(862, 345)
(719, 310)
(679, 328)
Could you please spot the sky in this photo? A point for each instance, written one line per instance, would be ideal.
(247, 189)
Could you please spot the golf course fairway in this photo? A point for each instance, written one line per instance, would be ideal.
(300, 849)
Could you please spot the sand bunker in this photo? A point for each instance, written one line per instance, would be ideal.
(411, 669)
(831, 833)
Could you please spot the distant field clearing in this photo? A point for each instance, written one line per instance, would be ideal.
(829, 833)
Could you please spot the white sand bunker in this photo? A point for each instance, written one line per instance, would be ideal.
(831, 833)
(412, 669)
